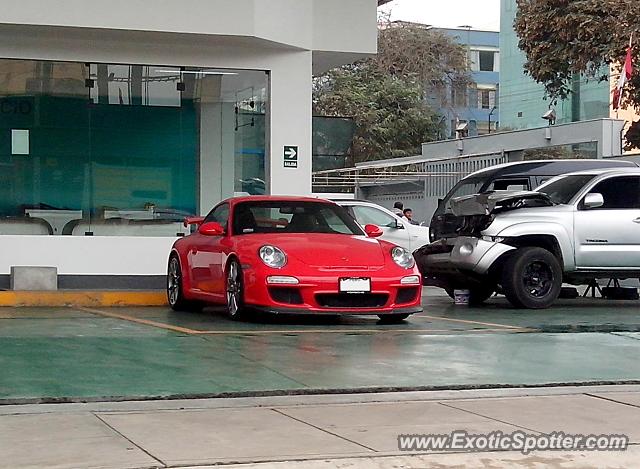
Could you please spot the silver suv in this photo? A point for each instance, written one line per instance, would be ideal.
(574, 229)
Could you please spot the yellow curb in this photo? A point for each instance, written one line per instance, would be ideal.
(83, 298)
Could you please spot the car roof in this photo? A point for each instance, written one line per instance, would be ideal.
(548, 167)
(275, 198)
(359, 201)
(605, 171)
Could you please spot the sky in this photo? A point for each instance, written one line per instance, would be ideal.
(480, 14)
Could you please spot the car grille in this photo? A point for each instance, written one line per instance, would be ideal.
(346, 300)
(286, 295)
(406, 295)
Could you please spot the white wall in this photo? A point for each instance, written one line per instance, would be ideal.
(327, 25)
(87, 255)
(193, 16)
(345, 25)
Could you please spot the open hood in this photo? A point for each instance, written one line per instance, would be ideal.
(489, 203)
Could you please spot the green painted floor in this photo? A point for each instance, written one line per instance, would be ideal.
(75, 353)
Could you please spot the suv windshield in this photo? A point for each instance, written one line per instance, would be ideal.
(561, 190)
(292, 217)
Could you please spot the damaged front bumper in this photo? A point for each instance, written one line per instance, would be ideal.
(458, 261)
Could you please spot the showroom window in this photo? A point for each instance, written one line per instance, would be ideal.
(113, 149)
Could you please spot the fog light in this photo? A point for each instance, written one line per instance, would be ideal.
(282, 280)
(411, 280)
(466, 249)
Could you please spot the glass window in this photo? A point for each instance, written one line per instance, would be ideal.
(292, 217)
(486, 59)
(486, 98)
(462, 188)
(124, 149)
(619, 193)
(510, 185)
(220, 215)
(562, 189)
(372, 216)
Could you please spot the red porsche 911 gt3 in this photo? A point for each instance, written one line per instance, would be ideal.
(291, 255)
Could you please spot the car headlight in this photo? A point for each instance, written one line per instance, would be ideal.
(273, 256)
(402, 257)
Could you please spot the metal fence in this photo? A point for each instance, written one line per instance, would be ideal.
(418, 182)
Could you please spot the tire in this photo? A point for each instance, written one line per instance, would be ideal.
(175, 293)
(532, 278)
(234, 289)
(392, 318)
(477, 295)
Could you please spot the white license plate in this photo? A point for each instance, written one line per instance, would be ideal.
(355, 285)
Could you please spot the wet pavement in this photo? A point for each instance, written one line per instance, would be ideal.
(100, 353)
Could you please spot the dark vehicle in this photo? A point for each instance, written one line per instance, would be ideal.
(519, 176)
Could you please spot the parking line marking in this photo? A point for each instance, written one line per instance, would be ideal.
(146, 322)
(185, 330)
(467, 321)
(354, 331)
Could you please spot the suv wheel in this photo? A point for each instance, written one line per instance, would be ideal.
(532, 278)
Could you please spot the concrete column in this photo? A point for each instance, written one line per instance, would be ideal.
(290, 124)
(217, 145)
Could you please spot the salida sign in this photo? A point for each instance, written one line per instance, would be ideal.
(290, 156)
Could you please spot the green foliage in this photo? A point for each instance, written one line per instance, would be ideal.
(563, 37)
(385, 95)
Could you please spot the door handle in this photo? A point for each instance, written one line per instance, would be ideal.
(637, 220)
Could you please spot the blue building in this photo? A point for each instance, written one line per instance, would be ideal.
(523, 100)
(474, 104)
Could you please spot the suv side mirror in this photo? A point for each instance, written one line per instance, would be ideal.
(593, 200)
(211, 228)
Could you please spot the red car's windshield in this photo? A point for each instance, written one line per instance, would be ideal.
(292, 217)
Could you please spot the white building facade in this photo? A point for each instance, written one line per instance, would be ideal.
(119, 118)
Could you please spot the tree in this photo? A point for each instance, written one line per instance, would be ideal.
(386, 95)
(562, 38)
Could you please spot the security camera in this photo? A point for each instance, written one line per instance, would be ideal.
(462, 126)
(550, 116)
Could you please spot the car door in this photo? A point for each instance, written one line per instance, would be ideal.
(206, 256)
(394, 229)
(608, 237)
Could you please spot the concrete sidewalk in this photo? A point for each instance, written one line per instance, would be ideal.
(315, 432)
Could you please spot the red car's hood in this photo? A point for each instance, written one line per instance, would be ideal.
(330, 250)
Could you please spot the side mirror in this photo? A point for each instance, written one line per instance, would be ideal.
(193, 221)
(373, 231)
(593, 200)
(211, 229)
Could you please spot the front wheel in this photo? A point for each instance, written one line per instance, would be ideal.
(532, 278)
(175, 289)
(235, 291)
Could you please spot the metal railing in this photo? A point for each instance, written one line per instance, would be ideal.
(439, 174)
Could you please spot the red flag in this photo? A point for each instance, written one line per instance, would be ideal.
(625, 76)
